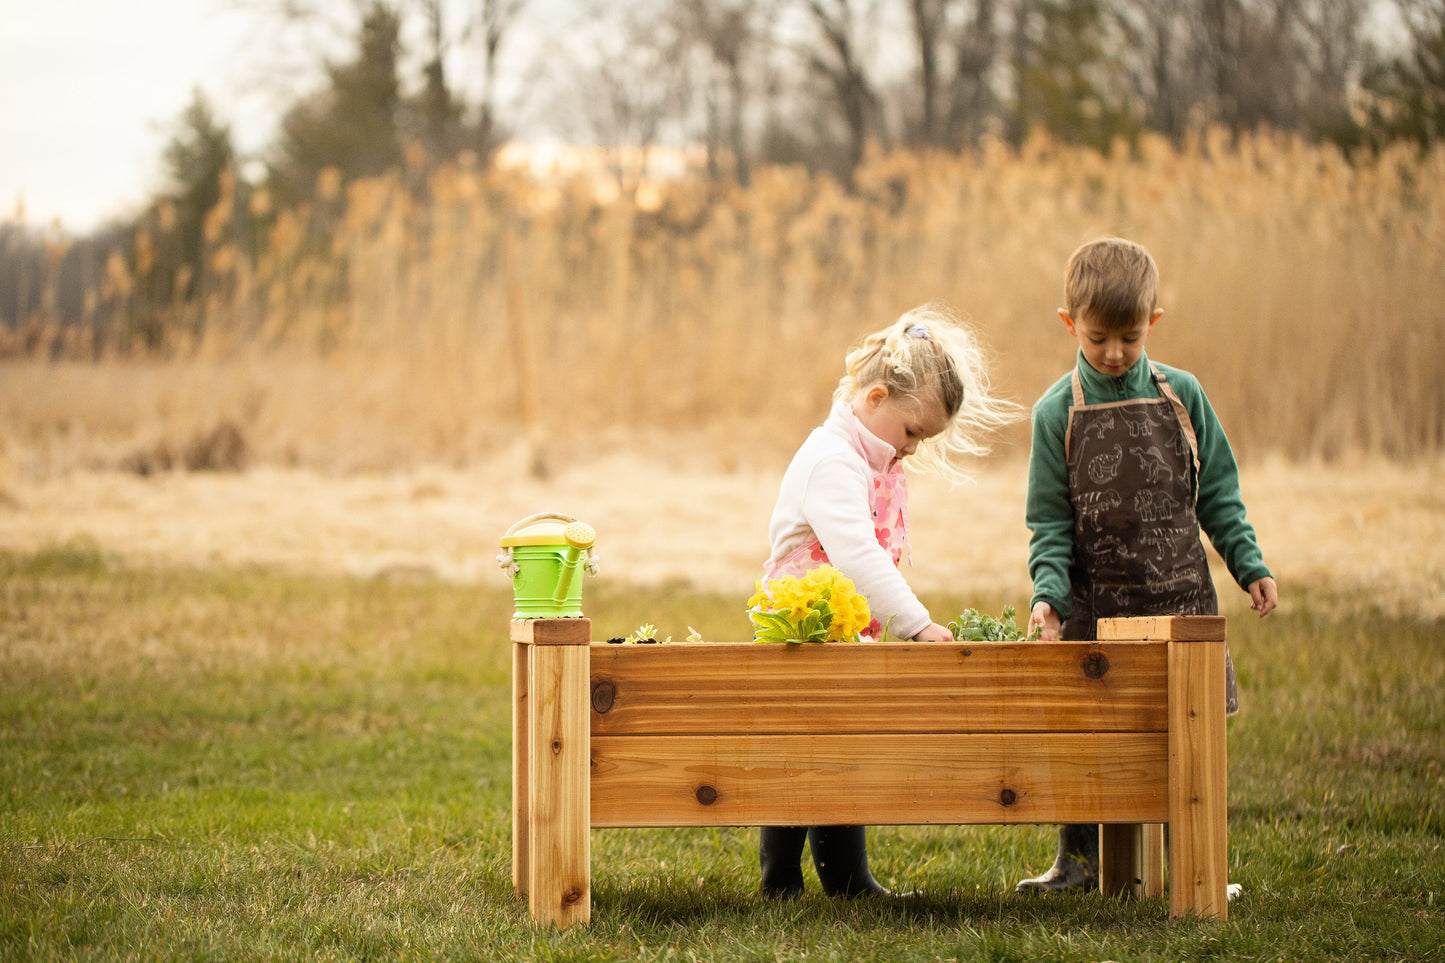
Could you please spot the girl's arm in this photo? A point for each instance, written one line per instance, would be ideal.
(836, 506)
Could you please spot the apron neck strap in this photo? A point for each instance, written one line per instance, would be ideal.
(1185, 422)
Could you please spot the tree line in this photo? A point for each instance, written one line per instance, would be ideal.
(749, 83)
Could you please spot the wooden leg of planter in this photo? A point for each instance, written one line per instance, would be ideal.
(521, 770)
(1131, 860)
(1152, 863)
(1198, 816)
(559, 802)
(1120, 865)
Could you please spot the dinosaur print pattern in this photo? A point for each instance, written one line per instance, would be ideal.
(1162, 539)
(1152, 463)
(1095, 503)
(1154, 506)
(1137, 548)
(1100, 427)
(1105, 468)
(1137, 419)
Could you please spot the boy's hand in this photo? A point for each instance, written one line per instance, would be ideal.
(1046, 620)
(1263, 595)
(934, 633)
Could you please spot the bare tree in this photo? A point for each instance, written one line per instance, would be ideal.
(627, 84)
(1332, 58)
(1019, 49)
(729, 31)
(1156, 55)
(493, 22)
(973, 101)
(957, 43)
(1243, 49)
(437, 107)
(928, 18)
(1404, 89)
(839, 61)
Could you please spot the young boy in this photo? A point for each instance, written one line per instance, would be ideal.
(1128, 463)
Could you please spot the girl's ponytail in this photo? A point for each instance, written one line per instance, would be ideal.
(929, 352)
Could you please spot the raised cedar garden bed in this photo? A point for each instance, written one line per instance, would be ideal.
(1128, 732)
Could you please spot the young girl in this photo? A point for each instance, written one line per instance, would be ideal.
(918, 390)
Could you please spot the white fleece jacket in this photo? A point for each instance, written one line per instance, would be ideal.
(825, 495)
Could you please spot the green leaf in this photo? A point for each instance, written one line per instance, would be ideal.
(971, 626)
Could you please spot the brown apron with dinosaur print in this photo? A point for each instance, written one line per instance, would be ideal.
(1132, 470)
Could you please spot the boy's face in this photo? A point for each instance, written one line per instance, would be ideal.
(1110, 351)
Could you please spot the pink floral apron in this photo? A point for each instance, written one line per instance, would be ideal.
(888, 501)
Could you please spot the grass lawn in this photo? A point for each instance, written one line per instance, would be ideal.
(257, 766)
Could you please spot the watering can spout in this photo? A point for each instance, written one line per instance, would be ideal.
(579, 537)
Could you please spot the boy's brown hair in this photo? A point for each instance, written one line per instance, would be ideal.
(1112, 282)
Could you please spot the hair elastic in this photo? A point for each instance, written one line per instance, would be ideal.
(917, 331)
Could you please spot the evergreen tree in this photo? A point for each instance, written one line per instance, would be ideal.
(1068, 77)
(198, 156)
(352, 125)
(436, 113)
(1405, 93)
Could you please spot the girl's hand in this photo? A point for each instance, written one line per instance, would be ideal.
(934, 633)
(1046, 620)
(1263, 595)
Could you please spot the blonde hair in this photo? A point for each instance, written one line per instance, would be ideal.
(1111, 282)
(928, 351)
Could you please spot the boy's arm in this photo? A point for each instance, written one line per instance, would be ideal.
(1049, 512)
(1221, 506)
(1263, 596)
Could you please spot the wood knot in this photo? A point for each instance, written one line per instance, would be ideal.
(706, 795)
(603, 695)
(1096, 665)
(1008, 797)
(572, 895)
(556, 747)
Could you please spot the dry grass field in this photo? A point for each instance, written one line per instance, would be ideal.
(400, 373)
(215, 748)
(1369, 531)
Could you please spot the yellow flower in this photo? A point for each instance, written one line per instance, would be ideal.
(837, 611)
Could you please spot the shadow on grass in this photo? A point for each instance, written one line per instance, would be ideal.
(663, 901)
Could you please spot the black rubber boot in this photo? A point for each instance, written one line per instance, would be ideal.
(1076, 865)
(780, 854)
(840, 854)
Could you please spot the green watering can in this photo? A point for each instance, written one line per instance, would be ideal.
(545, 555)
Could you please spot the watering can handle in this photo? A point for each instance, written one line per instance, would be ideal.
(537, 518)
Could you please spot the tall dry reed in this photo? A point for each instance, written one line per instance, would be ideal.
(390, 321)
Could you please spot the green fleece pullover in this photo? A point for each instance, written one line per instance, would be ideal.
(1050, 514)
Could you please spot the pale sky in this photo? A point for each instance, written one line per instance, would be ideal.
(88, 91)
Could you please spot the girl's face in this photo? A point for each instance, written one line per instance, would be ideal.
(902, 422)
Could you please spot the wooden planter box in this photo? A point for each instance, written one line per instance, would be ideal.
(1127, 732)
